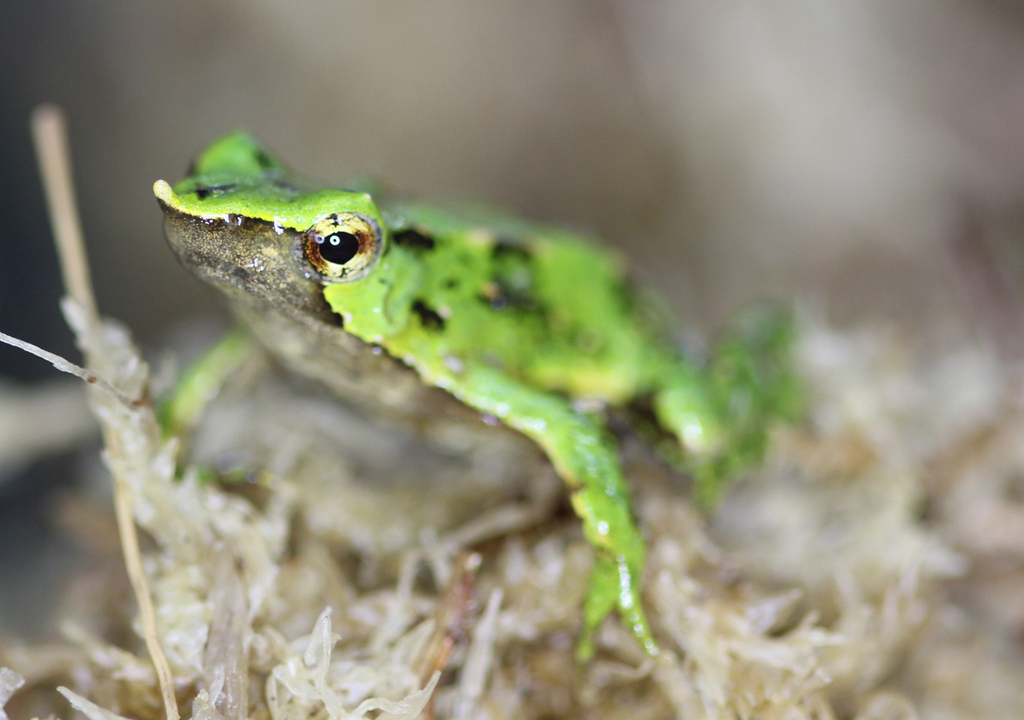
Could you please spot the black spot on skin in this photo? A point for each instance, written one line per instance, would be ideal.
(263, 160)
(429, 317)
(505, 248)
(205, 191)
(522, 299)
(509, 299)
(511, 277)
(451, 283)
(413, 240)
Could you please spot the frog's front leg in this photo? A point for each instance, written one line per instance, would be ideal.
(589, 465)
(201, 382)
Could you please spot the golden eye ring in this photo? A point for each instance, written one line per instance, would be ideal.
(342, 246)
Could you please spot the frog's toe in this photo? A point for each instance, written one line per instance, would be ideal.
(614, 585)
(684, 407)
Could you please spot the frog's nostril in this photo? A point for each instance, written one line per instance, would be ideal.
(204, 191)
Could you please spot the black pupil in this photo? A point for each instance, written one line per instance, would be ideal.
(340, 247)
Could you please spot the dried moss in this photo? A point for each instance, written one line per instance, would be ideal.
(871, 569)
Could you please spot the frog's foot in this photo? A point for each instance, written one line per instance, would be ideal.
(753, 382)
(687, 406)
(722, 415)
(614, 585)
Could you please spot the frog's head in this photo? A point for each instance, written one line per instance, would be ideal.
(243, 223)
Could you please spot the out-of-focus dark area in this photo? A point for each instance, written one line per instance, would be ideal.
(827, 151)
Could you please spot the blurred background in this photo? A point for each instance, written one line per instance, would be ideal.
(832, 151)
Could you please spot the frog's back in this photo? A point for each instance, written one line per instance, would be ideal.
(546, 305)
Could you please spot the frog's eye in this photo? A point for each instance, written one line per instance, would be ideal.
(342, 246)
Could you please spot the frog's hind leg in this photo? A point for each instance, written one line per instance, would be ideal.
(588, 464)
(722, 413)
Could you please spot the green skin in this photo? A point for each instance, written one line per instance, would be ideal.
(511, 319)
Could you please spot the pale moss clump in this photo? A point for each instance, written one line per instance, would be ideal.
(861, 573)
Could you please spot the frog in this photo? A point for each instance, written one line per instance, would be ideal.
(484, 321)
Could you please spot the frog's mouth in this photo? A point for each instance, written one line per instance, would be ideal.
(251, 260)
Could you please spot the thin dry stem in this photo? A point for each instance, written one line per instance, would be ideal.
(49, 132)
(133, 563)
(69, 367)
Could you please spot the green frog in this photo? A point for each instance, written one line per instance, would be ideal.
(476, 319)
